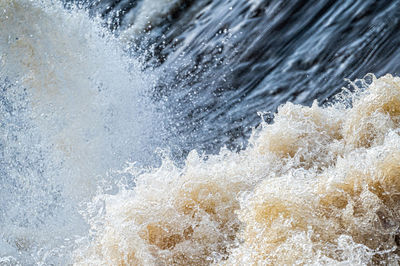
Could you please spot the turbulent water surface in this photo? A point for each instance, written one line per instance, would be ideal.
(162, 132)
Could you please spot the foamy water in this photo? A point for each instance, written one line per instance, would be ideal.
(87, 97)
(320, 185)
(73, 110)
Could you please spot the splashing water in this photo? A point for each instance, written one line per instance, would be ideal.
(318, 186)
(73, 108)
(151, 12)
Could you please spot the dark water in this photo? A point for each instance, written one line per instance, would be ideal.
(221, 62)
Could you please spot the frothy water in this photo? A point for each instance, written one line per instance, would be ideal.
(318, 186)
(81, 184)
(73, 110)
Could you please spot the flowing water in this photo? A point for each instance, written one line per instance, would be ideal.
(163, 132)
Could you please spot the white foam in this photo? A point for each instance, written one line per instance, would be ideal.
(75, 108)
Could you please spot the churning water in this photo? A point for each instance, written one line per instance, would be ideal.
(114, 114)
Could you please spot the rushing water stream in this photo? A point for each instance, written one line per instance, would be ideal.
(128, 132)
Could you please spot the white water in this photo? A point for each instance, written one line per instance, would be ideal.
(74, 109)
(318, 186)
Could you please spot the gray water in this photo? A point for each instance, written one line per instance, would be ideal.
(221, 62)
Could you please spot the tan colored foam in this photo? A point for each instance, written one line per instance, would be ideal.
(318, 186)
